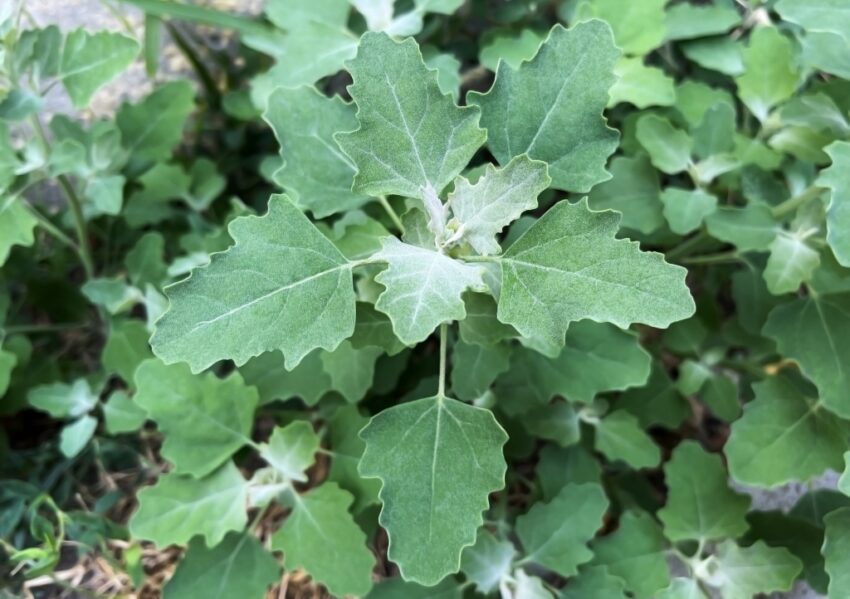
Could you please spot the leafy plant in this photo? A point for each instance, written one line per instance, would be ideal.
(432, 297)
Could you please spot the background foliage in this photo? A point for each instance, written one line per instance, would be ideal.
(428, 298)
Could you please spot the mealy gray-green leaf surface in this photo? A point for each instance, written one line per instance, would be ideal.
(568, 266)
(438, 460)
(551, 107)
(282, 285)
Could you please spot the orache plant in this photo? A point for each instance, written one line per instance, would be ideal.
(393, 295)
(285, 286)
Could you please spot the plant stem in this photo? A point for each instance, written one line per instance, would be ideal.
(444, 333)
(74, 202)
(687, 245)
(79, 225)
(204, 76)
(731, 256)
(391, 213)
(799, 200)
(48, 226)
(203, 15)
(43, 328)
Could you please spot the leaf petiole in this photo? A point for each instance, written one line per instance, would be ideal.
(441, 389)
(391, 213)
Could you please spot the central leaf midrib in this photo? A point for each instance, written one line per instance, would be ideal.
(205, 323)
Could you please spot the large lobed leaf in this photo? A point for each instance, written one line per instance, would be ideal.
(413, 140)
(282, 285)
(551, 107)
(438, 460)
(569, 266)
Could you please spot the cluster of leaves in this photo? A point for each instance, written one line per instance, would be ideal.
(529, 295)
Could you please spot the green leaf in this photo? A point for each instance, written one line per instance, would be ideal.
(126, 348)
(638, 26)
(358, 236)
(791, 263)
(290, 14)
(475, 367)
(836, 549)
(8, 361)
(641, 85)
(487, 563)
(784, 436)
(61, 400)
(90, 60)
(554, 114)
(669, 148)
(828, 52)
(682, 588)
(844, 480)
(76, 435)
(378, 13)
(177, 508)
(816, 15)
(687, 21)
(620, 437)
(571, 252)
(448, 71)
(716, 132)
(555, 534)
(635, 553)
(837, 179)
(316, 44)
(746, 571)
(633, 190)
(374, 329)
(205, 419)
(115, 295)
(396, 588)
(596, 358)
(315, 172)
(720, 54)
(413, 140)
(510, 49)
(438, 460)
(558, 422)
(423, 288)
(481, 210)
(700, 505)
(800, 536)
(694, 99)
(151, 128)
(122, 414)
(770, 76)
(307, 381)
(283, 285)
(145, 262)
(238, 566)
(291, 449)
(686, 209)
(751, 228)
(808, 330)
(658, 402)
(481, 325)
(817, 111)
(321, 537)
(347, 448)
(594, 583)
(351, 370)
(16, 225)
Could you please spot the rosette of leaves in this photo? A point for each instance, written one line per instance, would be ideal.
(453, 315)
(285, 285)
